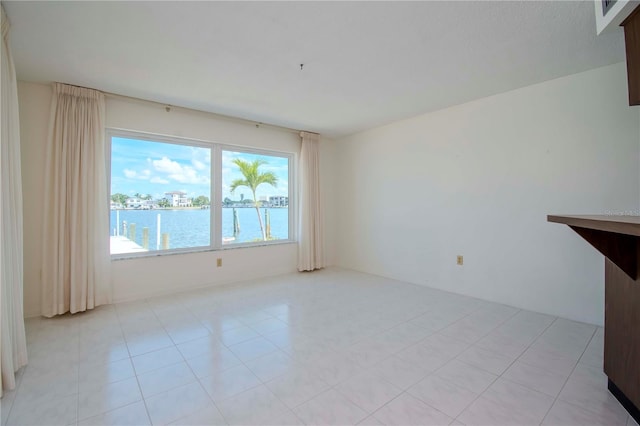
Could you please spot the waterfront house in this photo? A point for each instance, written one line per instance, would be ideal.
(178, 199)
(279, 201)
(134, 203)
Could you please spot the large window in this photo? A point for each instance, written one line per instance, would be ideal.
(176, 195)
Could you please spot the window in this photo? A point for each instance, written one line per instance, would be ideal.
(255, 197)
(177, 195)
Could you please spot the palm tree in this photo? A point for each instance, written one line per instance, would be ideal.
(252, 179)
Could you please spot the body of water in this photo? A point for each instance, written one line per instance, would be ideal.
(191, 228)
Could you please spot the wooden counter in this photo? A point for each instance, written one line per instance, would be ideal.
(618, 239)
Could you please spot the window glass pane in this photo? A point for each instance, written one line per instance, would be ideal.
(255, 197)
(160, 196)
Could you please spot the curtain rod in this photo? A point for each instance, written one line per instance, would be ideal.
(222, 116)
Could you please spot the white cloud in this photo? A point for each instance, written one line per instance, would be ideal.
(199, 165)
(159, 180)
(189, 175)
(200, 158)
(178, 172)
(130, 174)
(166, 165)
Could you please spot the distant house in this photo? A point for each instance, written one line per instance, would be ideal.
(178, 199)
(134, 203)
(279, 201)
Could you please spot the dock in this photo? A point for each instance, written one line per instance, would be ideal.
(121, 244)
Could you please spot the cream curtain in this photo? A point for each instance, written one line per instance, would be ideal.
(310, 233)
(76, 263)
(13, 347)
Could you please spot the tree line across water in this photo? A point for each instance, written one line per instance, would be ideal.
(200, 200)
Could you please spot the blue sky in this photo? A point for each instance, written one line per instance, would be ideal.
(145, 167)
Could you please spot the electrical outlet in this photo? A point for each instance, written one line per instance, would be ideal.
(219, 262)
(460, 260)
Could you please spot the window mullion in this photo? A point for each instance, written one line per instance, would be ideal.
(216, 198)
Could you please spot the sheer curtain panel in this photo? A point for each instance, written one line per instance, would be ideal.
(310, 233)
(76, 262)
(13, 346)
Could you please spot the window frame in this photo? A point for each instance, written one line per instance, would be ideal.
(215, 195)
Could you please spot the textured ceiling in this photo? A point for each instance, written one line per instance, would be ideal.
(365, 63)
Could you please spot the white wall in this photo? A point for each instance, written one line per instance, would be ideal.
(479, 179)
(137, 278)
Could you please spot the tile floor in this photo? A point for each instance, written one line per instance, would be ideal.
(329, 347)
